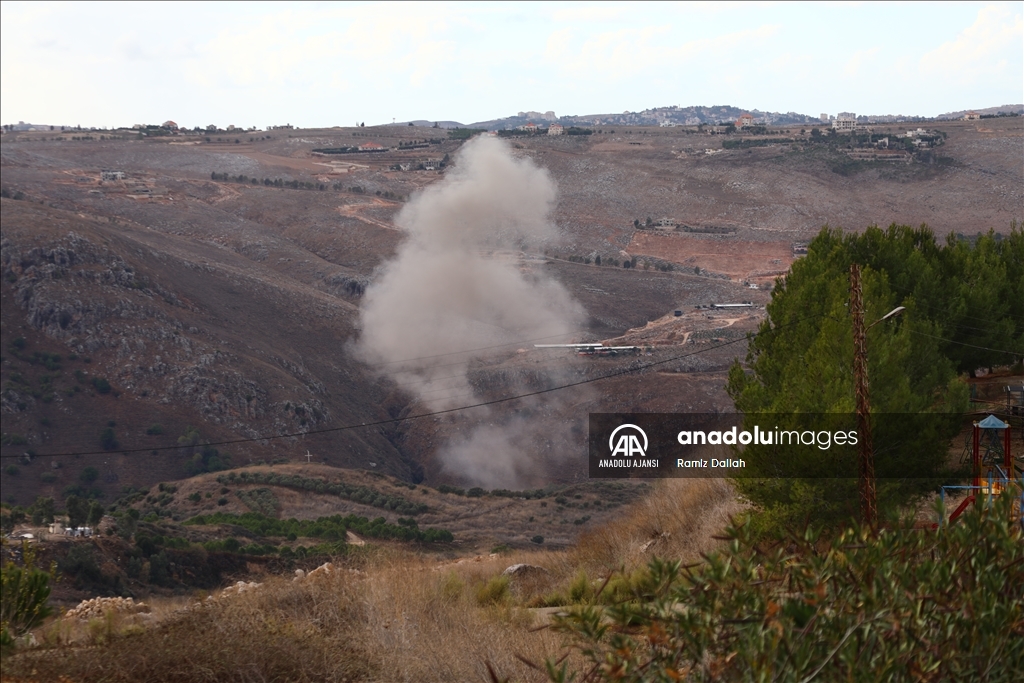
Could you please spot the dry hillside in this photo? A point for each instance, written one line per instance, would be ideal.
(230, 305)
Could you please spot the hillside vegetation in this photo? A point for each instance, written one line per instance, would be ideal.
(963, 309)
(386, 613)
(912, 604)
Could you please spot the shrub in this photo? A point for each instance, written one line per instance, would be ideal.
(101, 385)
(108, 440)
(155, 430)
(330, 528)
(538, 539)
(24, 593)
(358, 494)
(494, 592)
(862, 606)
(261, 500)
(89, 475)
(80, 562)
(580, 590)
(95, 514)
(77, 509)
(41, 511)
(12, 470)
(127, 523)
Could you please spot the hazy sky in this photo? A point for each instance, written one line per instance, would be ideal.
(325, 64)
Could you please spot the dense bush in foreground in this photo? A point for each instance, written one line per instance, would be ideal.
(907, 604)
(24, 594)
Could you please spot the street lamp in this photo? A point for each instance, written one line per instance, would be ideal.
(868, 498)
(891, 314)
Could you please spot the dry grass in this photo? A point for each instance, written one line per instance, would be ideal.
(676, 521)
(401, 617)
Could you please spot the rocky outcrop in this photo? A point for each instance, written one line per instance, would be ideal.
(525, 580)
(97, 608)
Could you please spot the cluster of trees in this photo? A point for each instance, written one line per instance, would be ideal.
(331, 528)
(611, 261)
(477, 492)
(79, 511)
(355, 493)
(414, 144)
(464, 133)
(299, 184)
(269, 182)
(964, 310)
(571, 130)
(202, 457)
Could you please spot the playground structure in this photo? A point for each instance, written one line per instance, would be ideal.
(994, 469)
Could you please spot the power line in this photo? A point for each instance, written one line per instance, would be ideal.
(378, 423)
(973, 346)
(481, 404)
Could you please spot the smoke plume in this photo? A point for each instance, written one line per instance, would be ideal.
(454, 293)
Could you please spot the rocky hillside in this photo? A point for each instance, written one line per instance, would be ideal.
(213, 294)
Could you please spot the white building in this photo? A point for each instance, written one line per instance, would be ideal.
(555, 129)
(845, 121)
(546, 116)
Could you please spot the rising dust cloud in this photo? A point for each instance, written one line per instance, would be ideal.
(454, 290)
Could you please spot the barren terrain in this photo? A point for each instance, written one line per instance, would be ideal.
(231, 305)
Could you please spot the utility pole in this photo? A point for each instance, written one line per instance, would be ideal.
(868, 504)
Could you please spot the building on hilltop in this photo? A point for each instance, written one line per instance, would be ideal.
(744, 120)
(112, 175)
(546, 116)
(555, 129)
(972, 116)
(170, 125)
(372, 147)
(845, 121)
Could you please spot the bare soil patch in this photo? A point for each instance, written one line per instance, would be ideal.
(733, 257)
